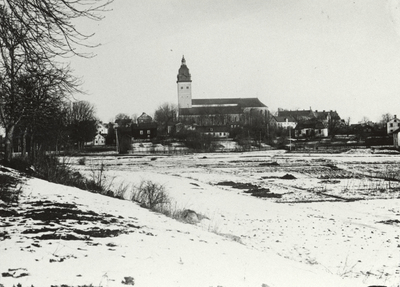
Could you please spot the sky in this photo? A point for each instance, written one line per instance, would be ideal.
(341, 55)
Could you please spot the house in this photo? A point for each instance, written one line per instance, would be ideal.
(223, 113)
(392, 125)
(311, 128)
(214, 131)
(144, 128)
(284, 122)
(312, 123)
(99, 140)
(297, 115)
(102, 128)
(327, 116)
(363, 130)
(144, 118)
(100, 137)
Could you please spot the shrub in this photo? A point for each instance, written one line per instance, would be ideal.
(21, 164)
(9, 189)
(49, 167)
(98, 181)
(121, 191)
(197, 141)
(150, 195)
(82, 161)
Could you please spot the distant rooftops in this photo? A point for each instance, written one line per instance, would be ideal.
(308, 114)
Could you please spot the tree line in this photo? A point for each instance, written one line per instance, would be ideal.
(36, 85)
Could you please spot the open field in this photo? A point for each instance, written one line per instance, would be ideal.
(279, 219)
(340, 212)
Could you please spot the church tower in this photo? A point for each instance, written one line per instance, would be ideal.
(184, 86)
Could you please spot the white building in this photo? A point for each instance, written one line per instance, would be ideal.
(393, 125)
(285, 122)
(99, 140)
(102, 128)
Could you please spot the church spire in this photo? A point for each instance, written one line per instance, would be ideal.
(184, 86)
(183, 73)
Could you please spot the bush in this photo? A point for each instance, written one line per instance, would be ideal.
(150, 195)
(21, 164)
(121, 191)
(9, 190)
(197, 141)
(50, 168)
(82, 161)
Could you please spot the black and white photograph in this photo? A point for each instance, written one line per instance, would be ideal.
(200, 143)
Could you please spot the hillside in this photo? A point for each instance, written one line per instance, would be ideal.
(58, 235)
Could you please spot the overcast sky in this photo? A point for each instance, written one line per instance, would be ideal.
(341, 55)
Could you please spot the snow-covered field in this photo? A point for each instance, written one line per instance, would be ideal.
(322, 220)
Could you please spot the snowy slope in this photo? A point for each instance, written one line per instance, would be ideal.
(158, 252)
(245, 241)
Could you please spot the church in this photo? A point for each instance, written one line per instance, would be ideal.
(222, 114)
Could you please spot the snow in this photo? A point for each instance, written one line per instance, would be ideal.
(303, 238)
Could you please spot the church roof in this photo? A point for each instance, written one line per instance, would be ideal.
(240, 102)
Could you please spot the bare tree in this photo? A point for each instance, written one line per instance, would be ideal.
(385, 118)
(165, 115)
(24, 79)
(41, 115)
(82, 123)
(123, 120)
(48, 25)
(34, 34)
(365, 121)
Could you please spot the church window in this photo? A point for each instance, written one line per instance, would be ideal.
(187, 87)
(181, 88)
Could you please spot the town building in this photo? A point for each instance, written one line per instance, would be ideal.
(222, 114)
(100, 137)
(144, 128)
(99, 140)
(284, 122)
(393, 125)
(312, 123)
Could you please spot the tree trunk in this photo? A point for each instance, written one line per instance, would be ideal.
(32, 149)
(9, 143)
(23, 151)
